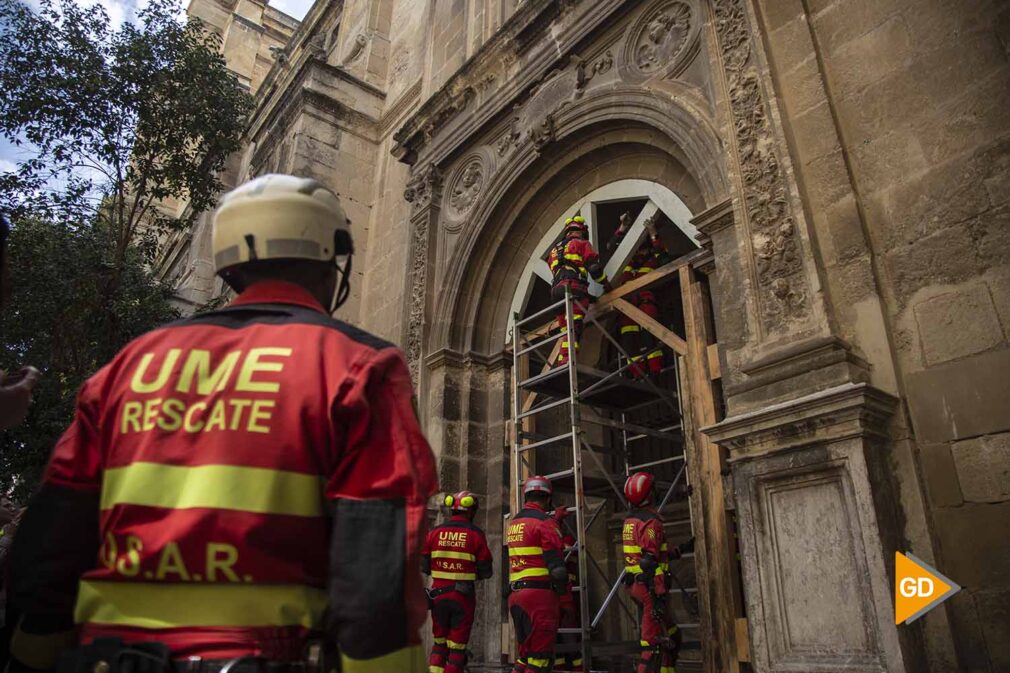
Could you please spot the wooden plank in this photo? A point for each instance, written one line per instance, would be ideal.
(714, 369)
(605, 303)
(718, 561)
(742, 640)
(657, 330)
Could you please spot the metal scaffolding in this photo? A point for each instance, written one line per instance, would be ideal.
(593, 397)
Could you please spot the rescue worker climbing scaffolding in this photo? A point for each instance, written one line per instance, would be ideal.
(455, 554)
(537, 576)
(572, 262)
(638, 342)
(230, 478)
(647, 564)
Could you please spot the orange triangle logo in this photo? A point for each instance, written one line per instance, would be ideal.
(918, 588)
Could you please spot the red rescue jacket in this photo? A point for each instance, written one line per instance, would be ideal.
(253, 467)
(650, 255)
(456, 551)
(643, 534)
(534, 542)
(573, 261)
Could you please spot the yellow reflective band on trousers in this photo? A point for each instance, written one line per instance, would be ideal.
(529, 572)
(536, 661)
(150, 605)
(630, 328)
(436, 669)
(246, 489)
(443, 575)
(462, 555)
(407, 660)
(453, 645)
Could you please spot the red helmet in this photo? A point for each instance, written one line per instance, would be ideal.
(464, 501)
(576, 224)
(538, 484)
(638, 487)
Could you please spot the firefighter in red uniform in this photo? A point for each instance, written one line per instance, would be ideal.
(570, 662)
(455, 554)
(230, 478)
(537, 576)
(639, 342)
(647, 563)
(573, 261)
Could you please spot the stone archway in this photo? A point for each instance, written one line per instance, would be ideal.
(465, 375)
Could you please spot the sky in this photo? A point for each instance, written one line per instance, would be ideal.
(126, 10)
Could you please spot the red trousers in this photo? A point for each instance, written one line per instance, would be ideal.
(451, 621)
(638, 342)
(579, 307)
(535, 615)
(660, 637)
(570, 662)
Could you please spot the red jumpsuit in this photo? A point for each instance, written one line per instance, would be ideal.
(569, 604)
(244, 471)
(455, 554)
(572, 262)
(638, 342)
(643, 535)
(534, 544)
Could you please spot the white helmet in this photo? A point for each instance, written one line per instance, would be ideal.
(279, 217)
(282, 217)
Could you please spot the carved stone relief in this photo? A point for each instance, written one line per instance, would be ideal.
(465, 188)
(662, 38)
(401, 61)
(782, 291)
(423, 190)
(584, 73)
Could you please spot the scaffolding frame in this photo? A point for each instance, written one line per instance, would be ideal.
(525, 441)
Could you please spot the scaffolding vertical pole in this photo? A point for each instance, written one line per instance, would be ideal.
(517, 409)
(580, 496)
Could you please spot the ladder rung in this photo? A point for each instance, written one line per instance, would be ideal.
(563, 473)
(656, 462)
(543, 442)
(539, 313)
(690, 590)
(543, 376)
(543, 407)
(570, 629)
(540, 343)
(635, 438)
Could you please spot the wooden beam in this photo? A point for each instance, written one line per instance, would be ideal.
(605, 303)
(657, 330)
(742, 639)
(718, 561)
(714, 369)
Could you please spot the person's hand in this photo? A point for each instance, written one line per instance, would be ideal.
(650, 226)
(16, 396)
(560, 513)
(623, 220)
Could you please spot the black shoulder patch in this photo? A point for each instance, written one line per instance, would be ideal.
(237, 317)
(532, 514)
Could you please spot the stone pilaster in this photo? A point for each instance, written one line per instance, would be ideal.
(424, 193)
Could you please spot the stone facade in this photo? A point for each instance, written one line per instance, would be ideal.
(846, 163)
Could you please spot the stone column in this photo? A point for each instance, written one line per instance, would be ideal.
(424, 193)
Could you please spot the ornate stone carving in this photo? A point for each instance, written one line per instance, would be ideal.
(585, 73)
(542, 133)
(356, 50)
(423, 188)
(401, 61)
(661, 38)
(782, 288)
(508, 141)
(465, 188)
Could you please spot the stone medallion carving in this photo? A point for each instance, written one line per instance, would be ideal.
(661, 38)
(465, 188)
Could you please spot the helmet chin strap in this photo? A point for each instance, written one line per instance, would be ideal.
(343, 289)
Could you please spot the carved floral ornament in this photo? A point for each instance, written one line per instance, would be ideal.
(423, 187)
(772, 227)
(661, 37)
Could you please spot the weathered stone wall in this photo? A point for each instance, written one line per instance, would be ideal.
(897, 113)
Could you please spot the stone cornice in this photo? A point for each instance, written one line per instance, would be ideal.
(714, 219)
(844, 412)
(396, 112)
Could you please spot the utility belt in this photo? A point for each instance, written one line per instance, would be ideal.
(531, 584)
(112, 655)
(640, 578)
(465, 588)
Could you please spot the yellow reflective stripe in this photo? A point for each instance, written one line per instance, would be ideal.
(630, 328)
(664, 547)
(653, 355)
(151, 605)
(629, 268)
(529, 572)
(644, 643)
(635, 569)
(662, 568)
(453, 645)
(573, 257)
(246, 489)
(407, 660)
(645, 269)
(436, 669)
(438, 641)
(443, 575)
(454, 554)
(525, 551)
(536, 661)
(632, 549)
